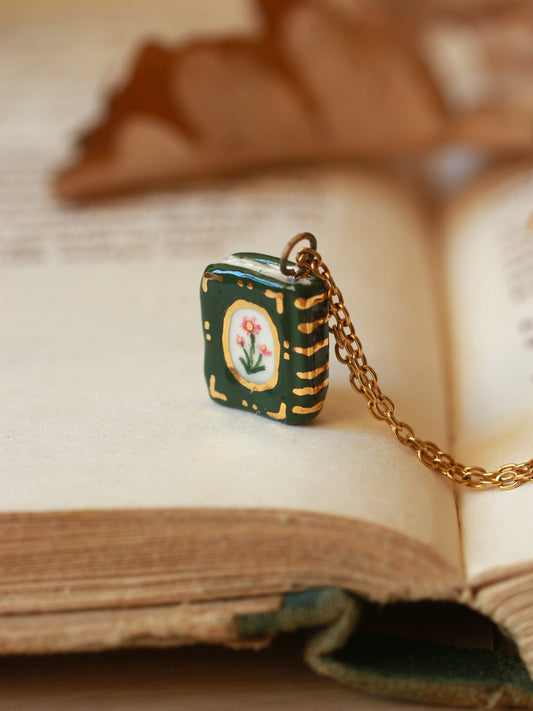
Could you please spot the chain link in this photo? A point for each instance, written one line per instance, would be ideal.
(364, 380)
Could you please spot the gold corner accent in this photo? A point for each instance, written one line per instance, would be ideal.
(213, 392)
(302, 303)
(297, 410)
(207, 336)
(310, 390)
(310, 374)
(286, 344)
(281, 414)
(244, 403)
(240, 282)
(249, 285)
(286, 356)
(311, 349)
(278, 295)
(310, 326)
(208, 276)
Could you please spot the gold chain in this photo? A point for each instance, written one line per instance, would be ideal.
(363, 379)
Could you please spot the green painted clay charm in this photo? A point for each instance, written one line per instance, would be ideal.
(266, 338)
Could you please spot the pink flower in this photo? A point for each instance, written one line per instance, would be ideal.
(250, 326)
(240, 340)
(264, 350)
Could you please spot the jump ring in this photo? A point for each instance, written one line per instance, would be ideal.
(295, 272)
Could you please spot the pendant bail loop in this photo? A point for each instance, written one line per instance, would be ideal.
(295, 272)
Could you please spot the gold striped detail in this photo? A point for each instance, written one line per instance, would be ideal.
(308, 410)
(311, 349)
(310, 390)
(207, 277)
(281, 414)
(310, 374)
(302, 303)
(213, 392)
(278, 295)
(310, 326)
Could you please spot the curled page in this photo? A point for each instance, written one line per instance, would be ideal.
(317, 82)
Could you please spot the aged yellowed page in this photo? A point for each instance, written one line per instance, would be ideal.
(105, 401)
(489, 252)
(101, 371)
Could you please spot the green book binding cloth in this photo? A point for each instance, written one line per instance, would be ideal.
(266, 338)
(342, 646)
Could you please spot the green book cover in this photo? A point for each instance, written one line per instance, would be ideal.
(266, 338)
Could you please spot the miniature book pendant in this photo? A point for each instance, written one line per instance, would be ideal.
(266, 338)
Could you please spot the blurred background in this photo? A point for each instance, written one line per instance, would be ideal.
(99, 98)
(58, 62)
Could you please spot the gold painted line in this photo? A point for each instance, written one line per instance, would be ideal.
(213, 392)
(278, 295)
(281, 414)
(207, 277)
(308, 410)
(311, 349)
(310, 390)
(302, 303)
(310, 326)
(309, 374)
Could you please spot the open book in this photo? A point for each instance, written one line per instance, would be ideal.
(137, 511)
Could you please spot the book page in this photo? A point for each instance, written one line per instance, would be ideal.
(105, 403)
(490, 285)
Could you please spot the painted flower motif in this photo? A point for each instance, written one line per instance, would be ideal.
(252, 357)
(249, 326)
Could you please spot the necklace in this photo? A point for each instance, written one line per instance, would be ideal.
(274, 357)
